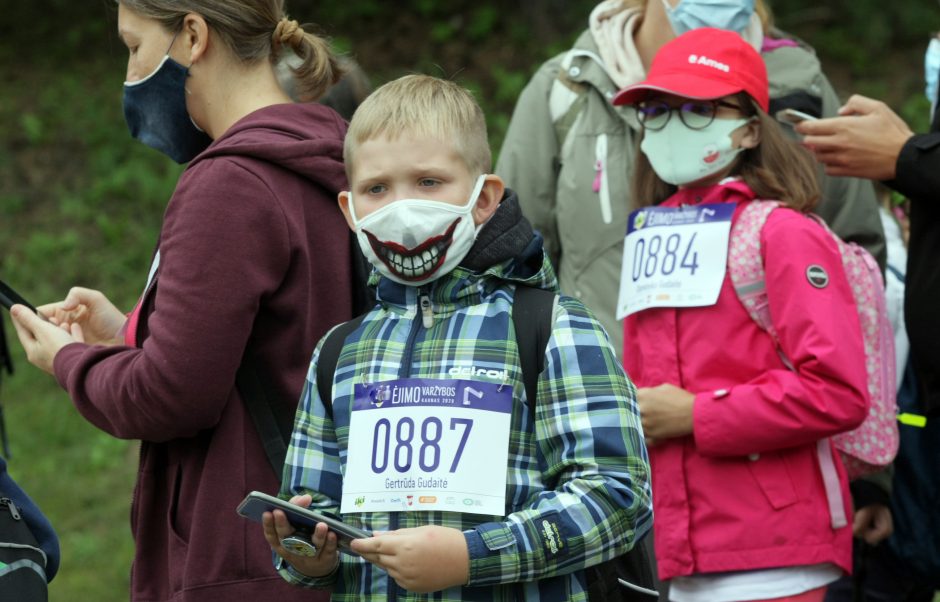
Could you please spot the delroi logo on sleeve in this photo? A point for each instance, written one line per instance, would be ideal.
(552, 538)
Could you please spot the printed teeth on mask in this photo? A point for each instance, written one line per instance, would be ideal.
(416, 266)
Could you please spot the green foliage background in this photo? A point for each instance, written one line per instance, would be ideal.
(81, 203)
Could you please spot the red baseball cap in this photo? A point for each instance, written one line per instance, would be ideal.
(704, 63)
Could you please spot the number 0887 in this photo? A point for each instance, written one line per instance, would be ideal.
(401, 443)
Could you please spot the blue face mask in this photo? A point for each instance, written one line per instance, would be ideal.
(155, 111)
(932, 72)
(731, 15)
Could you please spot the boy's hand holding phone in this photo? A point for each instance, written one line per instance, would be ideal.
(277, 527)
(422, 559)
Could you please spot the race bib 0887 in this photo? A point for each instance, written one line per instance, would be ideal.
(428, 444)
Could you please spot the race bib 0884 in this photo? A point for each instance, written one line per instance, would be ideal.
(674, 257)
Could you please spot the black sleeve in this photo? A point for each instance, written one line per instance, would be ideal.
(918, 168)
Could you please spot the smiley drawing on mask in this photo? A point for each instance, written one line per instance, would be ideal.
(418, 262)
(416, 241)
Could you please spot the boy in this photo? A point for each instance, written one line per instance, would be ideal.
(428, 404)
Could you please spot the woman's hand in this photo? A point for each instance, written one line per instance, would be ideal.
(422, 559)
(99, 320)
(277, 527)
(665, 411)
(42, 340)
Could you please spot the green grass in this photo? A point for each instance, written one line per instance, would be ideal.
(82, 479)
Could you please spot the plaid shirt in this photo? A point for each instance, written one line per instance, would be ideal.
(580, 470)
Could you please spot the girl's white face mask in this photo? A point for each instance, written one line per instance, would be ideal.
(680, 155)
(416, 241)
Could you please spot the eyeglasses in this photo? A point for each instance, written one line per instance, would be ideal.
(695, 114)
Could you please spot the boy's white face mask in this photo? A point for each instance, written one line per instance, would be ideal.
(416, 241)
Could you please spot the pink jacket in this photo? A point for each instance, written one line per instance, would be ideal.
(745, 490)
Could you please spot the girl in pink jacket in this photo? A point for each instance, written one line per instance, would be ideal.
(742, 512)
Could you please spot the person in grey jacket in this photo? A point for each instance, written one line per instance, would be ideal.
(569, 152)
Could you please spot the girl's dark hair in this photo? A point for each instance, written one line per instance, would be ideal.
(254, 30)
(777, 168)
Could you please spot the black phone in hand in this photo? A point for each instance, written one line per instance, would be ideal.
(257, 503)
(9, 298)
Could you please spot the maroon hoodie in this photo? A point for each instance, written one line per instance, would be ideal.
(253, 254)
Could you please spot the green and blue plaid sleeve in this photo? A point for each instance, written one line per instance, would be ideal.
(312, 466)
(596, 500)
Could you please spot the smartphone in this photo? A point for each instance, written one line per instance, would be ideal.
(793, 117)
(256, 503)
(9, 298)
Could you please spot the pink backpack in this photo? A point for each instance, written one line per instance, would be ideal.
(872, 445)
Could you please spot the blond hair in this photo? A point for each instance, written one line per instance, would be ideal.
(254, 30)
(424, 106)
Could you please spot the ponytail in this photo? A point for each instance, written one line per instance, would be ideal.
(319, 68)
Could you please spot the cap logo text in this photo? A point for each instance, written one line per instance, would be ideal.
(695, 59)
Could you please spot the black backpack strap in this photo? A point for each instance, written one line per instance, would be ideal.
(273, 421)
(329, 355)
(532, 320)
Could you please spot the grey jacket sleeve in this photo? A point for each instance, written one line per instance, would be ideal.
(528, 160)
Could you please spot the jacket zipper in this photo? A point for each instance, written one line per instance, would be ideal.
(426, 309)
(600, 178)
(427, 312)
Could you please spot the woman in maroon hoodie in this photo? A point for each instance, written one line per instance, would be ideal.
(252, 261)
